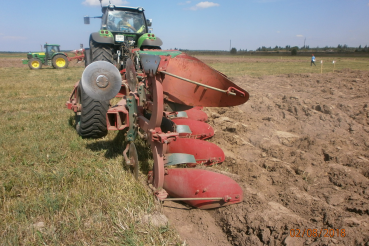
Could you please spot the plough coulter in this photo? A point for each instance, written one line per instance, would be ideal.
(162, 96)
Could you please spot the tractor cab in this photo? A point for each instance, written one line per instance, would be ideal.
(122, 30)
(51, 49)
(127, 24)
(124, 21)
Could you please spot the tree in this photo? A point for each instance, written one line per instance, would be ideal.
(233, 51)
(294, 51)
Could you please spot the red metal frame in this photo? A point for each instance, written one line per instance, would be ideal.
(197, 187)
(79, 55)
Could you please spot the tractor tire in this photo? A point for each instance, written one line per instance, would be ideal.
(101, 52)
(87, 57)
(91, 122)
(60, 62)
(34, 63)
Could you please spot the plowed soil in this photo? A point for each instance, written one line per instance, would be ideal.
(299, 148)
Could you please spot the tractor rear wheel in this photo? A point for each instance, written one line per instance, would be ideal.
(35, 63)
(91, 121)
(100, 52)
(87, 57)
(60, 61)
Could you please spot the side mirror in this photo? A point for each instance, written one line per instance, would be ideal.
(86, 20)
(149, 22)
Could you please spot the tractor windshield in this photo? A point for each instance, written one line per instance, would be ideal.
(126, 21)
(52, 49)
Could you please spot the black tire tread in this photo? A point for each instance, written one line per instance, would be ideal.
(100, 52)
(87, 57)
(92, 121)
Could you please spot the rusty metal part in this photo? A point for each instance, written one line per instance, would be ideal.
(118, 116)
(198, 129)
(193, 114)
(133, 157)
(198, 183)
(228, 91)
(79, 55)
(131, 75)
(204, 152)
(150, 63)
(128, 161)
(202, 94)
(157, 148)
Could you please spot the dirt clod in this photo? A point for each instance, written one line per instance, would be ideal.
(300, 150)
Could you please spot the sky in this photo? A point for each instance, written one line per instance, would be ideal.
(25, 25)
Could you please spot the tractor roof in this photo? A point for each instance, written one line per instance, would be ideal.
(53, 44)
(111, 6)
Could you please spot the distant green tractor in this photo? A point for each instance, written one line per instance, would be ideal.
(52, 57)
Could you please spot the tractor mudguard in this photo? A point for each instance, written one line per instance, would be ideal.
(149, 39)
(95, 36)
(59, 53)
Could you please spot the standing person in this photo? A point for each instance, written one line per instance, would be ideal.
(312, 60)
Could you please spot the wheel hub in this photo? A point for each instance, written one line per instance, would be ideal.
(60, 62)
(102, 81)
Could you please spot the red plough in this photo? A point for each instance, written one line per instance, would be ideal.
(79, 55)
(162, 102)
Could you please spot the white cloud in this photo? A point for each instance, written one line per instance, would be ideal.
(204, 5)
(104, 2)
(187, 2)
(299, 36)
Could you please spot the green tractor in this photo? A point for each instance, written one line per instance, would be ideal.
(52, 57)
(123, 30)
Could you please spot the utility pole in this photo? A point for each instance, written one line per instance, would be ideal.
(304, 42)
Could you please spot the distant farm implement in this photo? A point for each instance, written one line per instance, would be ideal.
(162, 95)
(52, 57)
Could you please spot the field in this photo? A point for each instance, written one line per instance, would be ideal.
(299, 148)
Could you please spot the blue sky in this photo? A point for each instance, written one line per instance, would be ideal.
(200, 25)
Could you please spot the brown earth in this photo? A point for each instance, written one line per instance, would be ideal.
(299, 148)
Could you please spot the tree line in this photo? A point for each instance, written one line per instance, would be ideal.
(306, 48)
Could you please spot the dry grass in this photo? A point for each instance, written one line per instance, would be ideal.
(57, 188)
(256, 66)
